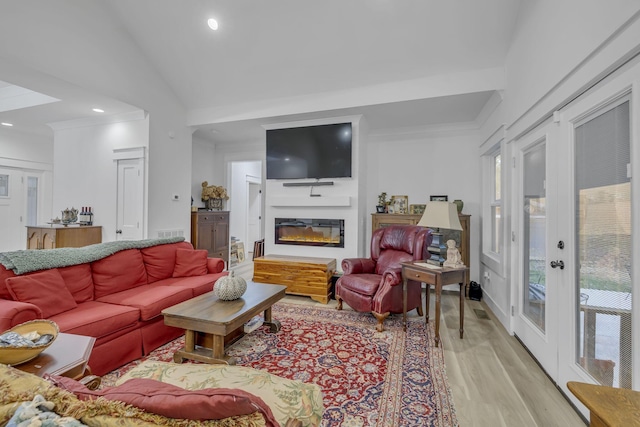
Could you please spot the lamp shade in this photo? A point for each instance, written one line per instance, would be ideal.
(441, 215)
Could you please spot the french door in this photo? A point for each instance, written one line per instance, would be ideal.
(536, 219)
(573, 280)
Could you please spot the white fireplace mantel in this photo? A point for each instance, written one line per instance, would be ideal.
(287, 201)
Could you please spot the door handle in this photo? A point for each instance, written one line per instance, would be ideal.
(558, 263)
(118, 231)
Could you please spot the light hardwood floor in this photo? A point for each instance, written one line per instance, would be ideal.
(494, 381)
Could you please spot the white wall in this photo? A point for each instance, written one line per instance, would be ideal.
(86, 46)
(202, 169)
(85, 172)
(551, 40)
(422, 164)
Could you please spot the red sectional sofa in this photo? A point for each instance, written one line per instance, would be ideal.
(116, 299)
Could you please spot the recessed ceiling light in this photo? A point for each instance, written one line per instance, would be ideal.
(98, 110)
(6, 124)
(213, 24)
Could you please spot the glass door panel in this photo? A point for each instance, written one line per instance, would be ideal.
(535, 231)
(603, 245)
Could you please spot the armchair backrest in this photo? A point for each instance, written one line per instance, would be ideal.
(396, 244)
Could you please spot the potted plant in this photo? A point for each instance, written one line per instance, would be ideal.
(382, 203)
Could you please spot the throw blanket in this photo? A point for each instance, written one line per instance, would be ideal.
(25, 261)
(39, 413)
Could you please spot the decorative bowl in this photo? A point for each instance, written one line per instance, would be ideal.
(15, 355)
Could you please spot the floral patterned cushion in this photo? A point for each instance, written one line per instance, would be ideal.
(286, 398)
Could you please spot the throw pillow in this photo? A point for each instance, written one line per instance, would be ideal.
(45, 289)
(172, 401)
(190, 263)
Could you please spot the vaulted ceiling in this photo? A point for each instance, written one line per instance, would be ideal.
(402, 64)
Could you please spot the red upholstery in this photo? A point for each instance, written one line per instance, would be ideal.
(118, 272)
(371, 284)
(119, 300)
(159, 260)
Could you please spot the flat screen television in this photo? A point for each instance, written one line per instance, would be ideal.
(322, 151)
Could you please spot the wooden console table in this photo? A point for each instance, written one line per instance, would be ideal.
(438, 277)
(609, 406)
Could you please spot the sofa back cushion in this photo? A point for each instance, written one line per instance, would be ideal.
(45, 289)
(190, 263)
(79, 281)
(5, 274)
(159, 260)
(118, 272)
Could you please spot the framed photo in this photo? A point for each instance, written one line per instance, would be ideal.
(438, 198)
(399, 204)
(417, 209)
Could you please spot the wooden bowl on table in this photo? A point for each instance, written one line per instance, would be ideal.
(15, 355)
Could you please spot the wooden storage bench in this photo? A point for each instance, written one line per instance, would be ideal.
(308, 276)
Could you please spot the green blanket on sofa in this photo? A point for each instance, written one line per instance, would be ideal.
(25, 261)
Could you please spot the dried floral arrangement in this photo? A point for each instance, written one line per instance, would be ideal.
(213, 192)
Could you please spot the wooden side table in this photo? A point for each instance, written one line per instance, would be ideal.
(608, 406)
(432, 275)
(67, 356)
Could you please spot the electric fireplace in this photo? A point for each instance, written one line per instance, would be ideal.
(309, 232)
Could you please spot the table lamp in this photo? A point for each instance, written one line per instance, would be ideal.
(439, 215)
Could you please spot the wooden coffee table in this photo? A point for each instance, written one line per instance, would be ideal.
(218, 319)
(67, 356)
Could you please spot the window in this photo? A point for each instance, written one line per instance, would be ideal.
(496, 204)
(4, 185)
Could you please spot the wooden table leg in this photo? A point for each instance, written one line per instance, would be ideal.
(461, 310)
(427, 302)
(274, 325)
(404, 304)
(438, 298)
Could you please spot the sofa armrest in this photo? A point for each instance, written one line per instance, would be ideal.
(13, 313)
(358, 265)
(215, 265)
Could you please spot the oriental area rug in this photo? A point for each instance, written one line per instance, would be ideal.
(368, 378)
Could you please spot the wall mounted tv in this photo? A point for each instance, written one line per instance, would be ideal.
(322, 151)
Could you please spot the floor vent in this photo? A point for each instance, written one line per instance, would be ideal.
(481, 314)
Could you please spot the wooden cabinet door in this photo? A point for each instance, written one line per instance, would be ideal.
(33, 238)
(48, 239)
(221, 236)
(205, 236)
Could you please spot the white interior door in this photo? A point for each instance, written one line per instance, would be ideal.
(130, 199)
(254, 211)
(12, 220)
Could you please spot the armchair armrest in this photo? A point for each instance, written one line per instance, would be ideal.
(215, 265)
(358, 265)
(392, 276)
(13, 313)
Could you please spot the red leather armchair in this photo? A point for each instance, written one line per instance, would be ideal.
(375, 284)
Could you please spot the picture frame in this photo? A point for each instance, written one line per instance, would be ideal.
(438, 198)
(417, 209)
(399, 204)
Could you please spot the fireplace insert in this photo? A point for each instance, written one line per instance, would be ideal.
(310, 232)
